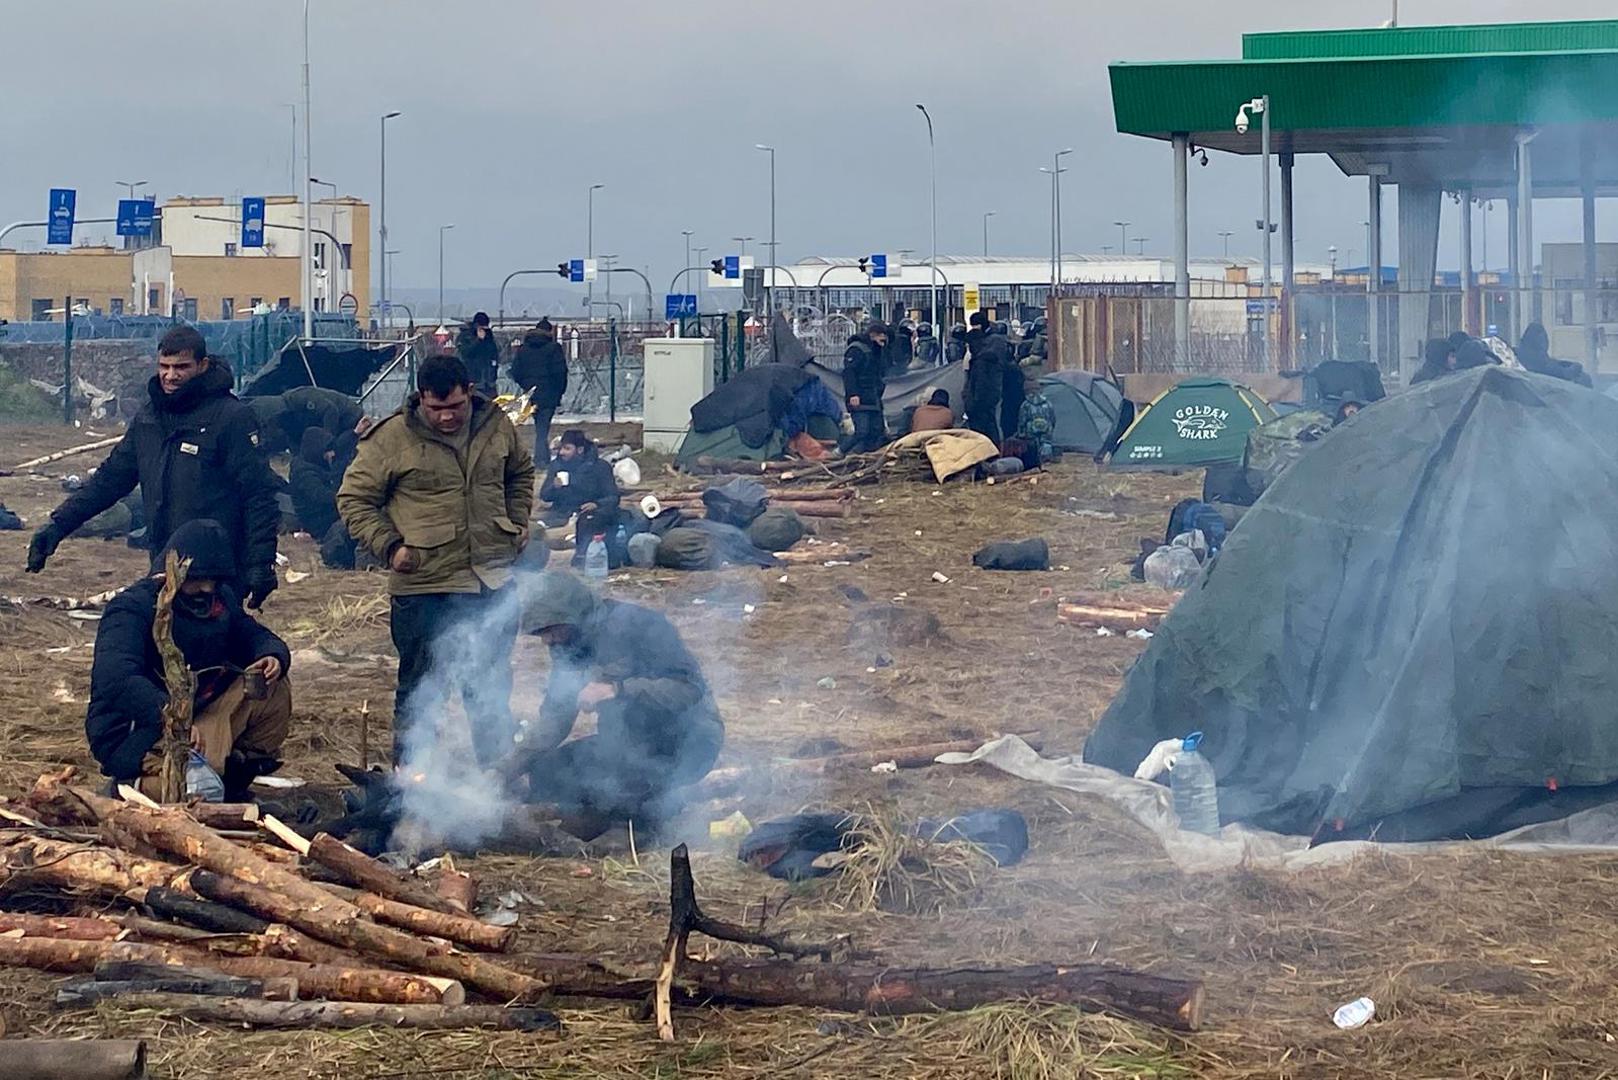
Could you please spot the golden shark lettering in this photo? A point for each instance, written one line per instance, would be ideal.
(1200, 422)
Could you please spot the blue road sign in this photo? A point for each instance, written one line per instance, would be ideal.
(252, 223)
(1260, 306)
(59, 222)
(135, 217)
(733, 266)
(879, 266)
(679, 305)
(575, 270)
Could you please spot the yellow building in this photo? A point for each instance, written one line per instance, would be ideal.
(200, 271)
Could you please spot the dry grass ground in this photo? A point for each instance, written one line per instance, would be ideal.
(1482, 965)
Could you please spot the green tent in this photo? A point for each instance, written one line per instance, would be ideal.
(1195, 423)
(1412, 633)
(728, 443)
(1086, 407)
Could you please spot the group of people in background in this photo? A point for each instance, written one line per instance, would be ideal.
(1460, 352)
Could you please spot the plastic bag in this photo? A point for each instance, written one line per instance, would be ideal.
(626, 472)
(1172, 567)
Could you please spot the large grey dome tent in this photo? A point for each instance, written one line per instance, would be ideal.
(1412, 633)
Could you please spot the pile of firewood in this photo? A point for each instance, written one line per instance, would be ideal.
(215, 913)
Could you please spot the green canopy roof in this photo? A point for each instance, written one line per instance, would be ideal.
(1430, 104)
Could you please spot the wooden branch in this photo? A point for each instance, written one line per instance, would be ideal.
(99, 444)
(80, 868)
(154, 930)
(462, 929)
(85, 993)
(343, 1014)
(286, 834)
(180, 681)
(364, 872)
(65, 927)
(458, 888)
(225, 815)
(169, 903)
(75, 1059)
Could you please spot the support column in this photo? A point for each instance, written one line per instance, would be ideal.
(1287, 260)
(1182, 254)
(1587, 194)
(1528, 292)
(1373, 262)
(1420, 206)
(1468, 280)
(1512, 332)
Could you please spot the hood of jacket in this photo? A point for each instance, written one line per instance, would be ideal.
(217, 381)
(535, 338)
(559, 599)
(312, 448)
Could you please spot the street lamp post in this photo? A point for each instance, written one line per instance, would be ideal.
(1331, 252)
(742, 240)
(308, 194)
(932, 274)
(1057, 170)
(131, 185)
(382, 229)
(700, 252)
(1225, 236)
(327, 267)
(1261, 105)
(442, 229)
(687, 234)
(1123, 237)
(987, 214)
(590, 242)
(769, 285)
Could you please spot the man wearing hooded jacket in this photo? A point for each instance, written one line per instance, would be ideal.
(235, 731)
(194, 450)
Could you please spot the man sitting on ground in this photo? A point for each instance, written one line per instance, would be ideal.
(238, 725)
(579, 483)
(657, 725)
(936, 415)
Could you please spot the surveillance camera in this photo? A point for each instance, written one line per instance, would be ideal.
(1241, 122)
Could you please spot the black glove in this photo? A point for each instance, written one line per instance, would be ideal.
(242, 767)
(261, 582)
(43, 546)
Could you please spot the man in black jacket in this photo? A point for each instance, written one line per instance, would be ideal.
(657, 726)
(237, 727)
(283, 418)
(989, 357)
(480, 353)
(864, 362)
(195, 452)
(315, 476)
(541, 366)
(580, 483)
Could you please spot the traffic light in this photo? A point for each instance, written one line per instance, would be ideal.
(865, 265)
(717, 266)
(562, 271)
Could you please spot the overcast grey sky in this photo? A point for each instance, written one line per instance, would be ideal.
(512, 108)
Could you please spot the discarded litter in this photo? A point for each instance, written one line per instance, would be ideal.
(281, 560)
(1102, 631)
(827, 683)
(295, 576)
(501, 917)
(1140, 635)
(748, 609)
(837, 562)
(782, 579)
(1356, 1013)
(940, 578)
(885, 767)
(699, 600)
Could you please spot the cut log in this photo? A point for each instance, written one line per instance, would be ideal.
(458, 888)
(75, 1059)
(462, 929)
(344, 1014)
(364, 872)
(70, 928)
(80, 868)
(168, 903)
(1094, 615)
(54, 954)
(209, 981)
(85, 993)
(236, 816)
(288, 944)
(154, 930)
(286, 834)
(342, 983)
(291, 899)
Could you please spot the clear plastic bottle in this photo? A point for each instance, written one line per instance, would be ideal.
(595, 558)
(201, 782)
(1196, 796)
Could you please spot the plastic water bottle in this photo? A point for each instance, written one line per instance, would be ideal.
(1196, 798)
(1356, 1013)
(201, 782)
(595, 558)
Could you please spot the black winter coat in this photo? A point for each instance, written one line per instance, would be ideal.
(195, 455)
(589, 479)
(127, 692)
(313, 481)
(541, 365)
(863, 365)
(481, 356)
(990, 356)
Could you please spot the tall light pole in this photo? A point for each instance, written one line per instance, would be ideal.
(1332, 253)
(442, 229)
(308, 194)
(769, 286)
(131, 185)
(987, 214)
(590, 244)
(331, 257)
(1225, 236)
(292, 157)
(1140, 244)
(687, 234)
(701, 251)
(1051, 206)
(382, 229)
(1123, 237)
(1261, 105)
(1056, 178)
(932, 276)
(742, 240)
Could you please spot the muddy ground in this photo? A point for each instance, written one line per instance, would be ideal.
(1481, 964)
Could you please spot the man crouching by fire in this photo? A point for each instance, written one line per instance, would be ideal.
(657, 726)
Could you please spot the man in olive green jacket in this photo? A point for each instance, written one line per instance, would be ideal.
(441, 492)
